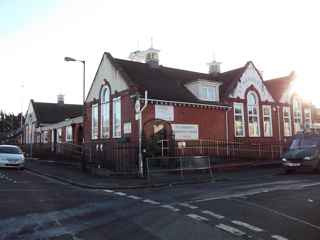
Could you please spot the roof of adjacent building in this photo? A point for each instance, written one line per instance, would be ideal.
(56, 112)
(166, 83)
(278, 86)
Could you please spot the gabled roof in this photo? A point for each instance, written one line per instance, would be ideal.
(54, 112)
(164, 83)
(278, 86)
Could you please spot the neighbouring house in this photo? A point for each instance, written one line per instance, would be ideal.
(52, 123)
(237, 105)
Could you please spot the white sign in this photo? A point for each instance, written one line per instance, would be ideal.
(127, 128)
(164, 112)
(185, 131)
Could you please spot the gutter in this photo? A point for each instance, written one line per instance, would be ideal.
(226, 107)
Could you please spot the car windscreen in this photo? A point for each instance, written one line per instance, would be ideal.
(10, 150)
(305, 142)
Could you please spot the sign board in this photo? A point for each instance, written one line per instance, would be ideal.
(164, 112)
(137, 106)
(185, 131)
(127, 128)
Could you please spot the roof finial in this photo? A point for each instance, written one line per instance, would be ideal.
(213, 55)
(151, 42)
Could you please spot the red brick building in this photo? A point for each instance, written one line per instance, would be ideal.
(236, 104)
(52, 123)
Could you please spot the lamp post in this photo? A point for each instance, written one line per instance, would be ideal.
(70, 59)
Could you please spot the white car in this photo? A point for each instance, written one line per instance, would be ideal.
(11, 157)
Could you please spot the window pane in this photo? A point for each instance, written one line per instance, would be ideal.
(94, 118)
(239, 120)
(117, 117)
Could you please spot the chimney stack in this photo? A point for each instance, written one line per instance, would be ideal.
(214, 67)
(149, 56)
(60, 99)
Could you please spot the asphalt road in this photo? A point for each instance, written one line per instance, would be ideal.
(255, 204)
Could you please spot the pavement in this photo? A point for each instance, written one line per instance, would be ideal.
(72, 174)
(256, 203)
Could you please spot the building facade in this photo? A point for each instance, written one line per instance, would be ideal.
(52, 123)
(236, 105)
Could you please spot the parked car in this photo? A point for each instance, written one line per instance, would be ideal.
(11, 157)
(304, 152)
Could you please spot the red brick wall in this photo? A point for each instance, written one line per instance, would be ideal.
(127, 115)
(211, 121)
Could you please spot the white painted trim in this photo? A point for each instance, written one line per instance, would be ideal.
(307, 110)
(94, 106)
(269, 116)
(114, 100)
(186, 103)
(258, 113)
(103, 104)
(61, 124)
(242, 117)
(290, 122)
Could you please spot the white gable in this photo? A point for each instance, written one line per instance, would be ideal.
(248, 78)
(106, 71)
(195, 88)
(30, 117)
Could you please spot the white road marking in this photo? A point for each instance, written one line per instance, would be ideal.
(188, 205)
(246, 225)
(108, 191)
(134, 197)
(151, 202)
(230, 229)
(197, 217)
(172, 208)
(278, 213)
(212, 214)
(278, 237)
(120, 193)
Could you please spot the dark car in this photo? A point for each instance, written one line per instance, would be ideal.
(303, 153)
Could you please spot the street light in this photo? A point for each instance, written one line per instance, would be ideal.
(70, 59)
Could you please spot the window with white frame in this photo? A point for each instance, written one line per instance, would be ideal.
(59, 135)
(44, 136)
(297, 115)
(94, 121)
(286, 122)
(307, 118)
(267, 120)
(239, 128)
(105, 112)
(208, 93)
(69, 134)
(253, 115)
(116, 131)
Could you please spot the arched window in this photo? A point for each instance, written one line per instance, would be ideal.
(105, 112)
(297, 114)
(253, 115)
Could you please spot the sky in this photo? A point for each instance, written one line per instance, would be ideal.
(35, 35)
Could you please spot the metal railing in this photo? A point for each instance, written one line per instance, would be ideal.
(179, 165)
(232, 150)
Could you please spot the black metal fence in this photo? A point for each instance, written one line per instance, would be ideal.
(59, 152)
(117, 157)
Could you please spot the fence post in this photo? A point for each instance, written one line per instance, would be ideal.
(147, 168)
(181, 169)
(210, 170)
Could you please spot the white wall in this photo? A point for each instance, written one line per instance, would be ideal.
(112, 75)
